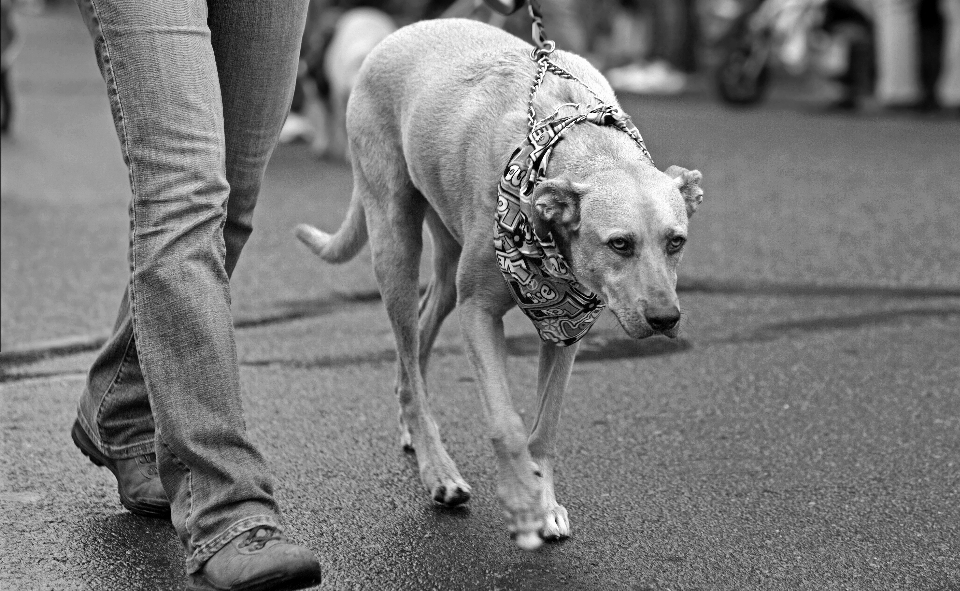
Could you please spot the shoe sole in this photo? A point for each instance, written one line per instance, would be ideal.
(87, 448)
(269, 583)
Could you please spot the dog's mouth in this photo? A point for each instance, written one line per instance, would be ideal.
(636, 327)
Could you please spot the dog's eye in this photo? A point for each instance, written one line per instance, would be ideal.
(620, 245)
(676, 243)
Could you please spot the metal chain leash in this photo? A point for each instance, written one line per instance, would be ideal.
(540, 38)
(540, 54)
(537, 81)
(544, 65)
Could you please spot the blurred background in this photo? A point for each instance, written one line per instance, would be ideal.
(850, 55)
(870, 56)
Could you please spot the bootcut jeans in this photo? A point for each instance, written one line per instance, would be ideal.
(198, 91)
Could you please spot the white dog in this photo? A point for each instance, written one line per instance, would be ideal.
(438, 110)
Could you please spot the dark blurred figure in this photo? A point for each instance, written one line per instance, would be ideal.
(563, 19)
(9, 45)
(662, 38)
(675, 33)
(918, 54)
(847, 24)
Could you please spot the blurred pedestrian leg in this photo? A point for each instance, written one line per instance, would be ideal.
(198, 93)
(948, 84)
(898, 52)
(675, 35)
(9, 47)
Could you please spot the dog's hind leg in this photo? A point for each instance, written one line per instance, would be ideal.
(555, 366)
(395, 226)
(441, 296)
(437, 302)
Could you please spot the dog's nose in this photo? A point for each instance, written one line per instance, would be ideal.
(663, 319)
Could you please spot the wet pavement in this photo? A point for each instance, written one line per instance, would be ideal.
(803, 433)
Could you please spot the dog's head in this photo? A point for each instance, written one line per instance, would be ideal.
(623, 228)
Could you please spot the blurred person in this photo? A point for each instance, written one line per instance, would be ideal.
(947, 88)
(848, 58)
(564, 20)
(198, 93)
(9, 47)
(669, 53)
(307, 118)
(675, 34)
(898, 49)
(896, 28)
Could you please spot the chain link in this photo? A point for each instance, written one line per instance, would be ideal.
(537, 81)
(541, 55)
(544, 65)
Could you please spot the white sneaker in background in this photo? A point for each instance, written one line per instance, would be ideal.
(296, 127)
(656, 77)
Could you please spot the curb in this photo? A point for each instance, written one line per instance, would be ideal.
(752, 287)
(32, 352)
(39, 350)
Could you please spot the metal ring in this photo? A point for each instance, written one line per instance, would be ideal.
(539, 52)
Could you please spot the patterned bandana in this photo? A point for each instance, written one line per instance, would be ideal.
(541, 282)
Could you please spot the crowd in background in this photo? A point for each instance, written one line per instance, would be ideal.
(906, 52)
(882, 55)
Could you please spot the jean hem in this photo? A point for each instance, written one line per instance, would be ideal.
(205, 551)
(130, 450)
(116, 452)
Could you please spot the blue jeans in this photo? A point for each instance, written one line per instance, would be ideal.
(199, 91)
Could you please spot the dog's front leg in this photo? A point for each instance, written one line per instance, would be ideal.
(518, 487)
(555, 366)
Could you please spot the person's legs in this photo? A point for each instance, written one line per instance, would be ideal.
(948, 85)
(162, 64)
(257, 45)
(898, 59)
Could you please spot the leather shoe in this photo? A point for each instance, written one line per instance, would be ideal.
(138, 480)
(257, 560)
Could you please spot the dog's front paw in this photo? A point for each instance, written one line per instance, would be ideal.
(525, 519)
(406, 438)
(451, 492)
(444, 482)
(556, 524)
(525, 529)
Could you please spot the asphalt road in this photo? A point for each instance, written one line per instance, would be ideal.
(804, 433)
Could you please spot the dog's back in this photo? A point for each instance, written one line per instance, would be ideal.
(446, 82)
(443, 62)
(420, 56)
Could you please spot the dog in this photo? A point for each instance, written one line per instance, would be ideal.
(437, 111)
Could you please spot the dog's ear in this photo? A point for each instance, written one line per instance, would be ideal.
(556, 205)
(688, 181)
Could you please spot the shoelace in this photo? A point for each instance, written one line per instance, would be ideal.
(149, 461)
(259, 536)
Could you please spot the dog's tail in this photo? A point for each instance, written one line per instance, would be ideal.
(342, 246)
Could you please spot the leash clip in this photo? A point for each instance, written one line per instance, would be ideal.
(541, 52)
